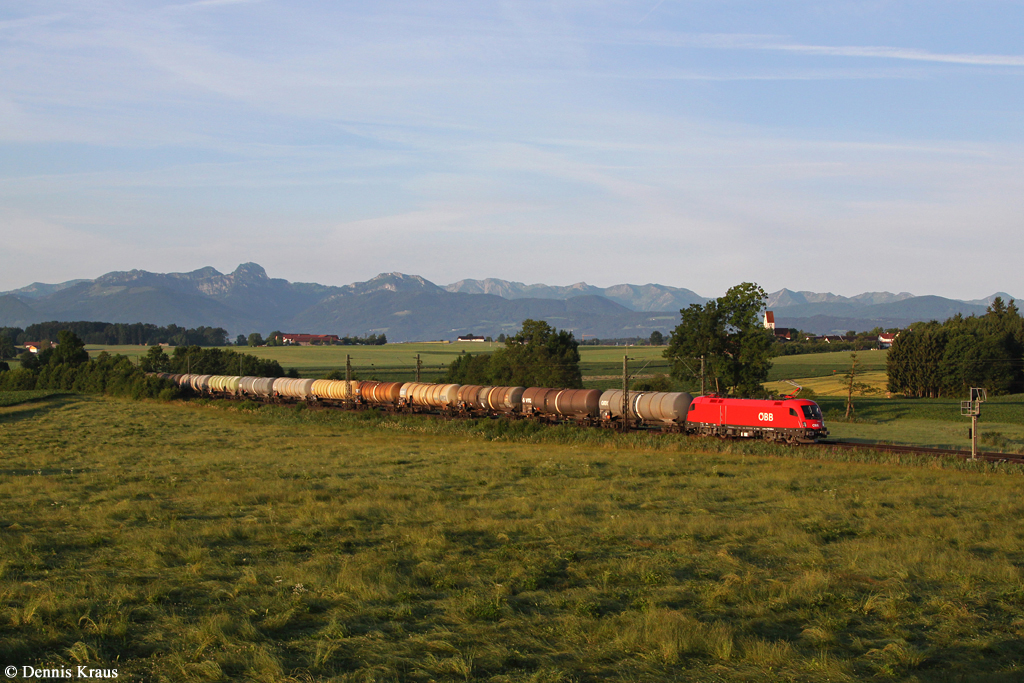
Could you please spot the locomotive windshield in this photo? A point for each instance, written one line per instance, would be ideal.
(812, 412)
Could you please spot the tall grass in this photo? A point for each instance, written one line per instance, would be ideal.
(204, 541)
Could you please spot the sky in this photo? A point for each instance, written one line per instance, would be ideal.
(823, 146)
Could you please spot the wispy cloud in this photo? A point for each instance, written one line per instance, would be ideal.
(211, 3)
(778, 44)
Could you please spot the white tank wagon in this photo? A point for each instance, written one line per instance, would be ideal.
(655, 407)
(289, 387)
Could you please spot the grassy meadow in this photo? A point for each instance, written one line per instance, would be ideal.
(204, 541)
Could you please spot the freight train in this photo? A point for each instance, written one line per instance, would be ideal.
(789, 419)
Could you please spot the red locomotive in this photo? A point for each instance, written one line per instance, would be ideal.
(793, 420)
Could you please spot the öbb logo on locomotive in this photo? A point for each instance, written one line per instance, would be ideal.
(789, 419)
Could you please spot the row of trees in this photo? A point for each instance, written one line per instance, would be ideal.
(67, 367)
(947, 359)
(207, 361)
(860, 341)
(276, 338)
(91, 332)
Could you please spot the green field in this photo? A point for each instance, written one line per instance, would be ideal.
(822, 373)
(397, 362)
(199, 542)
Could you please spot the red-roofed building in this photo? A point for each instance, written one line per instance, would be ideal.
(886, 339)
(769, 320)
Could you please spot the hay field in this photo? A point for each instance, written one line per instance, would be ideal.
(204, 542)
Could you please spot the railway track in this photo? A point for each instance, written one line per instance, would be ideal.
(986, 456)
(920, 450)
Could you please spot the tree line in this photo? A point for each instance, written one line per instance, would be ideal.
(934, 360)
(121, 334)
(806, 343)
(211, 361)
(68, 367)
(276, 338)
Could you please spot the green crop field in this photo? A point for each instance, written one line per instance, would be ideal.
(390, 362)
(824, 364)
(203, 541)
(601, 365)
(397, 362)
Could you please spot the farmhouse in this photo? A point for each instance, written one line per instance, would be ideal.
(36, 347)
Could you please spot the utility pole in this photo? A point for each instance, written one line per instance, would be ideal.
(348, 368)
(702, 374)
(625, 393)
(419, 366)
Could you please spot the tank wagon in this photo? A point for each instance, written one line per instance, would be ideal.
(789, 420)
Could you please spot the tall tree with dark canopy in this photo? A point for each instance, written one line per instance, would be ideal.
(537, 356)
(728, 333)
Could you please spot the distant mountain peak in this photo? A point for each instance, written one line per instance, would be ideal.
(249, 270)
(391, 282)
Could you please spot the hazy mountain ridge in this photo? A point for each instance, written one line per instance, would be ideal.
(410, 307)
(38, 289)
(649, 297)
(785, 298)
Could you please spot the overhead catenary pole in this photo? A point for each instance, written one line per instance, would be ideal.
(973, 409)
(974, 433)
(348, 368)
(702, 374)
(419, 366)
(626, 392)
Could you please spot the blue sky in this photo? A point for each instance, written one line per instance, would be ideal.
(840, 146)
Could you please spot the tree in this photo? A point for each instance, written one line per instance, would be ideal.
(657, 338)
(275, 338)
(6, 347)
(852, 385)
(70, 350)
(255, 339)
(727, 332)
(537, 356)
(29, 360)
(155, 360)
(240, 340)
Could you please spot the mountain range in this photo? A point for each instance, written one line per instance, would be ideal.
(409, 307)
